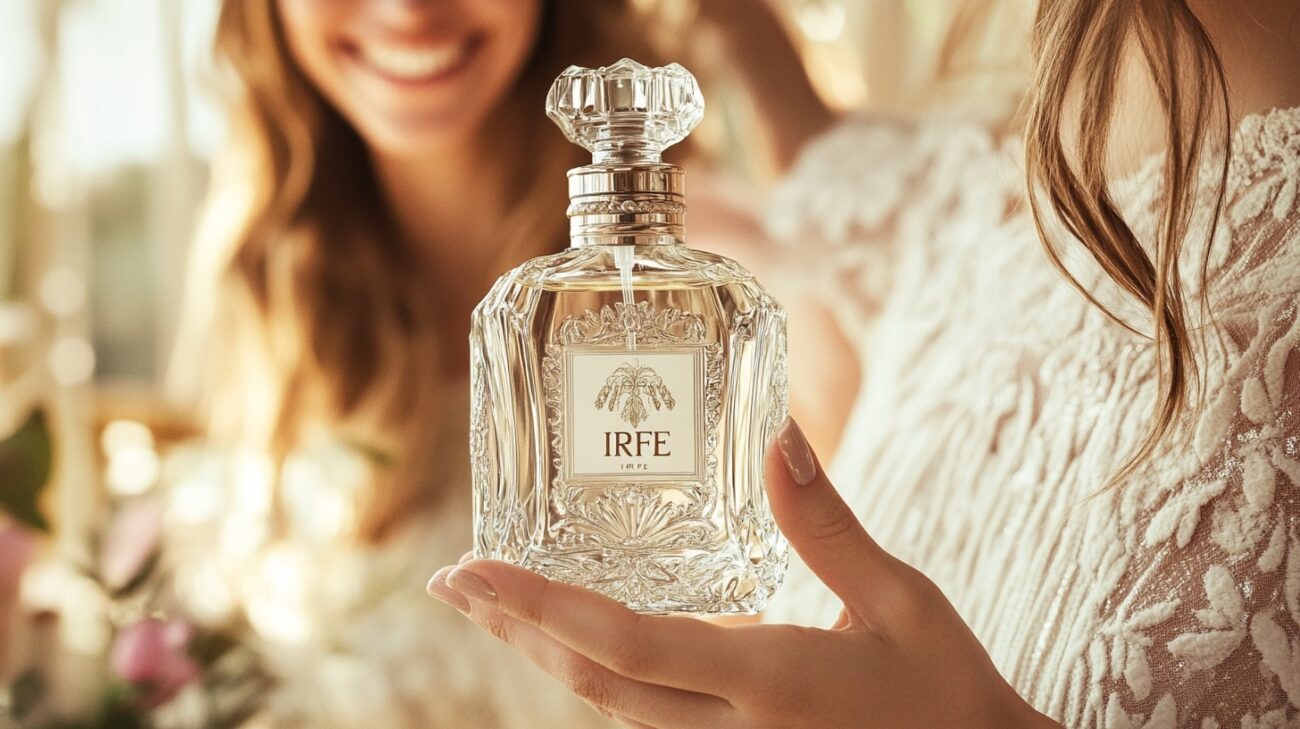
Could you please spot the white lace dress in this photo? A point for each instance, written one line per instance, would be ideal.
(995, 400)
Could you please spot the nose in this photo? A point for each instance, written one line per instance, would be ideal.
(415, 15)
(414, 6)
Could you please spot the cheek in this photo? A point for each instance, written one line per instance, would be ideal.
(514, 25)
(308, 26)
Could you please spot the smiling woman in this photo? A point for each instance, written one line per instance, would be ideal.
(386, 161)
(396, 156)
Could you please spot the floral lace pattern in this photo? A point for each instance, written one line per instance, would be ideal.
(995, 401)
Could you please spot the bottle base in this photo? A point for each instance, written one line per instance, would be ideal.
(699, 583)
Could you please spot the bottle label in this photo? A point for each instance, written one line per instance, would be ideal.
(634, 414)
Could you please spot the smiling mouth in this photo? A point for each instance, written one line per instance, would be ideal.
(415, 64)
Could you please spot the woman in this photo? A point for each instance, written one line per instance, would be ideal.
(1082, 509)
(387, 161)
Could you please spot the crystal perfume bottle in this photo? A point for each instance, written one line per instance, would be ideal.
(624, 390)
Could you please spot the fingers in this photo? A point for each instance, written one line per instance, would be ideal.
(438, 588)
(678, 652)
(635, 703)
(820, 526)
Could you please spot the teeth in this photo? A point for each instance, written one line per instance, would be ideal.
(410, 62)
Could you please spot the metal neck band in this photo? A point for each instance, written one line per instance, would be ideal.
(620, 204)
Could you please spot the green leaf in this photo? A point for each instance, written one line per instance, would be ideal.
(138, 581)
(207, 647)
(376, 455)
(26, 693)
(26, 459)
(121, 715)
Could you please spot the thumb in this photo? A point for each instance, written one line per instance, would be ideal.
(820, 526)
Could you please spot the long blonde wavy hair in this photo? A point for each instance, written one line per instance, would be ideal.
(309, 310)
(1080, 47)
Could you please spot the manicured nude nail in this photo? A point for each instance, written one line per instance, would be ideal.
(465, 557)
(799, 461)
(471, 585)
(438, 588)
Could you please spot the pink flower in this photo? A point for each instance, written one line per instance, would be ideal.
(17, 544)
(151, 654)
(131, 538)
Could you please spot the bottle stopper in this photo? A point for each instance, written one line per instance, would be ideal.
(626, 113)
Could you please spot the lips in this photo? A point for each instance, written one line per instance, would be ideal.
(415, 63)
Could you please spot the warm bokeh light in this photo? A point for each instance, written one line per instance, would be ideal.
(62, 588)
(253, 474)
(276, 595)
(196, 498)
(71, 361)
(122, 434)
(205, 591)
(17, 323)
(133, 470)
(241, 536)
(821, 22)
(133, 463)
(316, 494)
(63, 291)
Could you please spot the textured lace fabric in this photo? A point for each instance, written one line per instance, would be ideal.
(996, 401)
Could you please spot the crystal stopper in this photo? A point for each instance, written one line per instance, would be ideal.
(626, 112)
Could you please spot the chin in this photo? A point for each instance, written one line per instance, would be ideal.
(419, 136)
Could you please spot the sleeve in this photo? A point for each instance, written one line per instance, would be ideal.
(1202, 627)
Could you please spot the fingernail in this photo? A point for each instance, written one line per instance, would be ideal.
(799, 461)
(465, 557)
(471, 585)
(438, 588)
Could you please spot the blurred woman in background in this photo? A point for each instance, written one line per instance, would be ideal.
(387, 161)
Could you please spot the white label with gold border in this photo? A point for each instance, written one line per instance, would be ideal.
(633, 415)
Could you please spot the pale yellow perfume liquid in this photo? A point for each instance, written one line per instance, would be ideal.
(707, 544)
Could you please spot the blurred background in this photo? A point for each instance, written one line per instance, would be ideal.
(105, 126)
(108, 119)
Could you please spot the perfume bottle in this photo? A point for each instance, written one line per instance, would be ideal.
(624, 391)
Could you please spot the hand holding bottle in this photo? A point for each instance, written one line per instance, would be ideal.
(899, 655)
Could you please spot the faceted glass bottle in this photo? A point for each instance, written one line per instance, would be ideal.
(624, 390)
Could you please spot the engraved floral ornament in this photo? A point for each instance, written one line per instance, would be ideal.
(634, 384)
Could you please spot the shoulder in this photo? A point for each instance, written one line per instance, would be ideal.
(1255, 255)
(854, 179)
